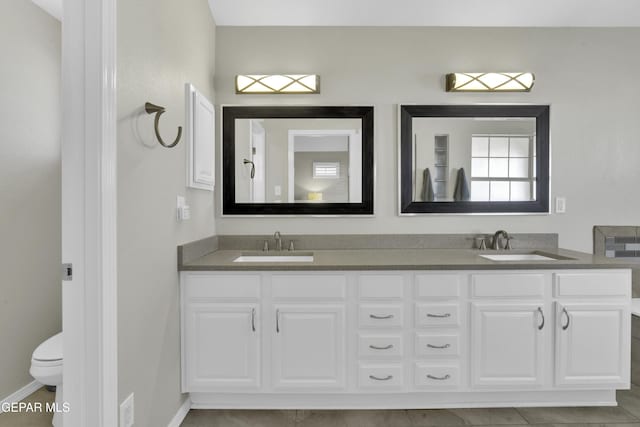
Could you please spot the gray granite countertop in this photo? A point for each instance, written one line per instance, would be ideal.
(404, 259)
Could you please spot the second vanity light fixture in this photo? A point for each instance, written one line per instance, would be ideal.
(490, 82)
(278, 84)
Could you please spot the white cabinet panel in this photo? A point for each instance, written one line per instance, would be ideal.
(437, 315)
(380, 315)
(385, 286)
(507, 345)
(435, 285)
(437, 376)
(592, 344)
(614, 284)
(437, 345)
(379, 345)
(504, 285)
(309, 286)
(381, 376)
(204, 286)
(309, 346)
(222, 345)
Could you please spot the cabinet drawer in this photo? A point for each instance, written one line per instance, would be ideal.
(317, 286)
(380, 315)
(379, 345)
(438, 285)
(437, 314)
(381, 286)
(436, 376)
(380, 376)
(614, 284)
(437, 345)
(222, 286)
(507, 285)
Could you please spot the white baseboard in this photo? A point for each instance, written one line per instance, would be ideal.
(179, 417)
(25, 391)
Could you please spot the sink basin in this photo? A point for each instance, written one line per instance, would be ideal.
(534, 256)
(275, 257)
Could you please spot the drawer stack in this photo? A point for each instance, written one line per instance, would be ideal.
(380, 335)
(438, 344)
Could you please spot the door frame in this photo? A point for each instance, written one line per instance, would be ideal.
(355, 159)
(89, 211)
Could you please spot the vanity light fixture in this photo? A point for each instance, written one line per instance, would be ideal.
(283, 84)
(490, 82)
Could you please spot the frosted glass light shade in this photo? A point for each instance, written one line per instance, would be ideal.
(490, 82)
(278, 84)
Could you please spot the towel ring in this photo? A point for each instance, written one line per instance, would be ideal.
(158, 111)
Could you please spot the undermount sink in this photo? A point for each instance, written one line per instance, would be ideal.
(533, 256)
(275, 257)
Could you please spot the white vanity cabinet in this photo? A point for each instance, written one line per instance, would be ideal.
(405, 339)
(221, 336)
(593, 325)
(510, 324)
(508, 344)
(223, 346)
(309, 347)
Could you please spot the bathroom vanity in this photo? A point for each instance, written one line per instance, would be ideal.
(404, 329)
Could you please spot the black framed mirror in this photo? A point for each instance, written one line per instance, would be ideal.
(474, 159)
(297, 160)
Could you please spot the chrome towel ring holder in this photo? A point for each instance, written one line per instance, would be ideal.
(158, 111)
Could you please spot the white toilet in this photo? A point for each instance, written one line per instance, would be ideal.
(46, 368)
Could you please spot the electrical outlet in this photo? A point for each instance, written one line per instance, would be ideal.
(561, 205)
(126, 412)
(277, 190)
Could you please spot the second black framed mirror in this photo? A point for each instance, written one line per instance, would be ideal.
(474, 159)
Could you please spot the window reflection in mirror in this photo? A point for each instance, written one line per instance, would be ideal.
(298, 160)
(474, 159)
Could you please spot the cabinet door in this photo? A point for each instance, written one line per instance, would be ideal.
(593, 344)
(508, 344)
(309, 346)
(222, 343)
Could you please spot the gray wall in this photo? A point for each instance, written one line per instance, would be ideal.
(588, 76)
(30, 222)
(161, 45)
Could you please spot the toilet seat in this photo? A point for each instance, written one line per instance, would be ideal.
(47, 361)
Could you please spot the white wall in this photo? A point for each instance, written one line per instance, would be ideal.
(588, 76)
(161, 45)
(30, 222)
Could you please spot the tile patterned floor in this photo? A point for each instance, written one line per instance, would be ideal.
(627, 414)
(36, 419)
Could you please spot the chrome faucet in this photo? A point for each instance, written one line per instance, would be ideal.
(496, 239)
(278, 238)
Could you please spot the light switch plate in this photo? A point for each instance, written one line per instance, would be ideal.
(126, 412)
(561, 205)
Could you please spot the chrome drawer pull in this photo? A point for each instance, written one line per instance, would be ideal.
(439, 315)
(541, 314)
(253, 319)
(446, 377)
(566, 313)
(388, 316)
(387, 378)
(381, 348)
(439, 346)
